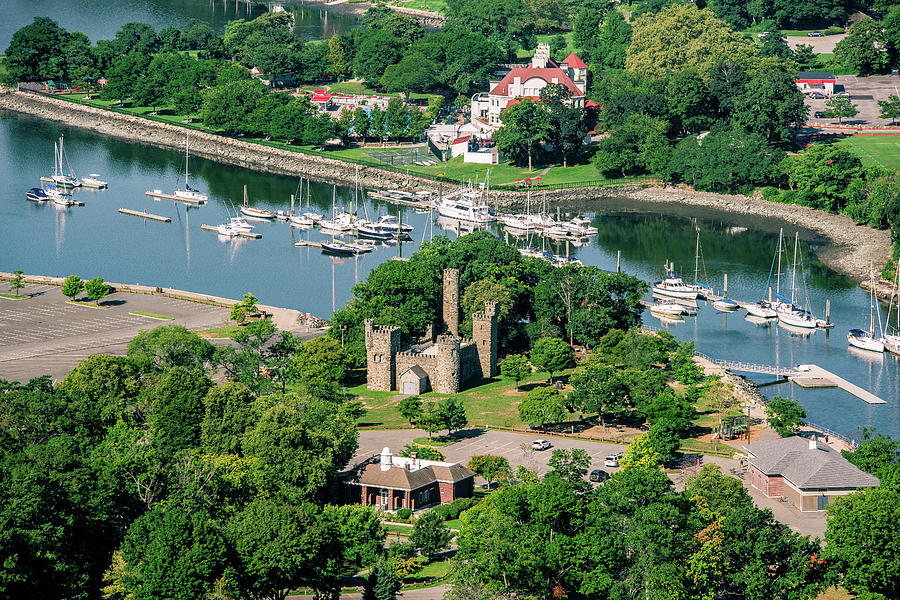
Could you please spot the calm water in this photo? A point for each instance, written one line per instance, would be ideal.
(94, 240)
(100, 19)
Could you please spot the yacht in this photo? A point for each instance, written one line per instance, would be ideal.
(340, 223)
(761, 310)
(227, 230)
(392, 223)
(580, 226)
(338, 247)
(667, 308)
(256, 213)
(369, 230)
(37, 195)
(726, 305)
(672, 285)
(301, 220)
(93, 181)
(788, 312)
(516, 222)
(466, 207)
(239, 224)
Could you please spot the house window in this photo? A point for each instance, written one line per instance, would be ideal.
(385, 495)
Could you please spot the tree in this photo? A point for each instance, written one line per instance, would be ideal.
(614, 40)
(17, 282)
(806, 59)
(665, 438)
(570, 466)
(542, 406)
(124, 75)
(525, 125)
(874, 454)
(168, 346)
(890, 108)
(411, 408)
(775, 45)
(321, 360)
(177, 409)
(452, 413)
(641, 454)
(35, 52)
(770, 105)
(414, 73)
(598, 389)
(639, 145)
(567, 126)
(383, 583)
(228, 411)
(552, 355)
(340, 54)
(429, 534)
(683, 36)
(228, 107)
(784, 415)
(822, 174)
(515, 367)
(376, 49)
(423, 452)
(96, 289)
(72, 286)
(138, 38)
(492, 468)
(865, 48)
(861, 536)
(840, 107)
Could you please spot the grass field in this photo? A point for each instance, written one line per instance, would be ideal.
(881, 150)
(438, 6)
(150, 315)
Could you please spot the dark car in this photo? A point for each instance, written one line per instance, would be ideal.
(814, 34)
(819, 115)
(599, 475)
(817, 95)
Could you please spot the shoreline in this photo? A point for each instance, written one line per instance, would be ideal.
(845, 247)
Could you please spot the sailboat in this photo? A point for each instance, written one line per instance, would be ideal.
(60, 176)
(788, 312)
(891, 341)
(189, 193)
(866, 340)
(258, 213)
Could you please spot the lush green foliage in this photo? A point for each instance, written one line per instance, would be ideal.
(784, 415)
(491, 467)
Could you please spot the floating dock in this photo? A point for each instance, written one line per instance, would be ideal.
(244, 234)
(164, 196)
(308, 243)
(145, 215)
(814, 376)
(84, 184)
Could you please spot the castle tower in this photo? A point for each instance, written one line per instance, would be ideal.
(451, 301)
(484, 335)
(382, 345)
(447, 375)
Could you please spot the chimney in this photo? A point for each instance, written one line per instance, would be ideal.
(812, 444)
(386, 459)
(414, 455)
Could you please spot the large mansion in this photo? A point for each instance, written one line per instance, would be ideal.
(527, 82)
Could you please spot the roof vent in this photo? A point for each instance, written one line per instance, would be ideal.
(812, 444)
(386, 459)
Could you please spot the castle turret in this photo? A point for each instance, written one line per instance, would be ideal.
(447, 376)
(382, 345)
(484, 335)
(451, 301)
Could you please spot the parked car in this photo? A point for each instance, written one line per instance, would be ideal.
(818, 95)
(818, 115)
(843, 94)
(611, 461)
(762, 35)
(599, 475)
(815, 34)
(540, 445)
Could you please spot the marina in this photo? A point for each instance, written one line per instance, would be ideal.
(235, 233)
(161, 195)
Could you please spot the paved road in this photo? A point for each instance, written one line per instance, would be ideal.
(820, 45)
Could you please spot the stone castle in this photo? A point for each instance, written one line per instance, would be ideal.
(440, 365)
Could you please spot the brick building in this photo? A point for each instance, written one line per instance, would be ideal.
(808, 474)
(395, 482)
(446, 363)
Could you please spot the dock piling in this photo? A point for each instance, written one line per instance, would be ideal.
(618, 261)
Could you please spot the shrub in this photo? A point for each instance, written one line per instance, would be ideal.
(404, 514)
(771, 194)
(834, 30)
(443, 510)
(423, 452)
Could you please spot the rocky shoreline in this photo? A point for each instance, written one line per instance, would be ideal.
(844, 246)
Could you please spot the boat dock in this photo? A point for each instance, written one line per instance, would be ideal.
(245, 234)
(145, 215)
(83, 183)
(814, 376)
(164, 196)
(308, 243)
(806, 376)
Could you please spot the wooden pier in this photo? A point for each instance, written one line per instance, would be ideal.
(145, 215)
(84, 184)
(308, 243)
(244, 234)
(164, 196)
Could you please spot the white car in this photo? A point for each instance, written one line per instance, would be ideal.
(611, 461)
(540, 445)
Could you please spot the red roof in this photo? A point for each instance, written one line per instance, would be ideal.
(573, 61)
(460, 140)
(526, 73)
(320, 98)
(518, 99)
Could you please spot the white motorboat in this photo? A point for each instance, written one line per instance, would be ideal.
(392, 223)
(726, 305)
(61, 199)
(37, 195)
(667, 308)
(580, 226)
(239, 224)
(761, 310)
(866, 340)
(227, 230)
(93, 181)
(466, 207)
(672, 285)
(516, 222)
(340, 223)
(301, 220)
(759, 321)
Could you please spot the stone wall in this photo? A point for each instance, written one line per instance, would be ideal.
(405, 360)
(382, 344)
(451, 301)
(469, 364)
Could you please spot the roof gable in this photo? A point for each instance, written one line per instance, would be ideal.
(526, 73)
(805, 467)
(573, 61)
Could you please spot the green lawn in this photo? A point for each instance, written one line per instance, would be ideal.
(14, 297)
(435, 442)
(433, 570)
(150, 315)
(544, 38)
(493, 403)
(881, 150)
(453, 524)
(225, 331)
(439, 6)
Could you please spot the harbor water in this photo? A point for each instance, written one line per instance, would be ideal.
(95, 240)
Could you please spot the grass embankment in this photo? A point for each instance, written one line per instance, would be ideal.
(225, 331)
(438, 6)
(880, 150)
(150, 315)
(14, 297)
(454, 169)
(435, 442)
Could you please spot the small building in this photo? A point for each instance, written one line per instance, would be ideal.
(816, 81)
(808, 474)
(414, 381)
(394, 482)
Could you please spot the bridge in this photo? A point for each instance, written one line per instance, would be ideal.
(806, 376)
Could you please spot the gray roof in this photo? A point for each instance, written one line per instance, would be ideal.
(807, 468)
(454, 472)
(815, 75)
(404, 479)
(418, 371)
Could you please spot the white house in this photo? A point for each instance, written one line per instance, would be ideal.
(527, 82)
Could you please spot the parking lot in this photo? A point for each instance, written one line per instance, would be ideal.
(865, 92)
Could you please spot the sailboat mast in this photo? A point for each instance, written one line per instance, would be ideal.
(778, 272)
(794, 268)
(697, 258)
(186, 138)
(871, 301)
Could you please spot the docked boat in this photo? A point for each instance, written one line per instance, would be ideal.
(338, 247)
(667, 308)
(227, 230)
(392, 223)
(61, 199)
(37, 195)
(256, 213)
(891, 340)
(60, 176)
(673, 285)
(516, 222)
(866, 340)
(466, 207)
(580, 226)
(761, 310)
(239, 224)
(787, 310)
(301, 220)
(93, 181)
(188, 193)
(726, 305)
(370, 231)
